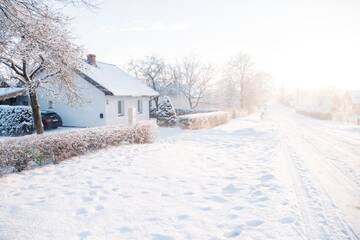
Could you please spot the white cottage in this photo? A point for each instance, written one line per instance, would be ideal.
(108, 94)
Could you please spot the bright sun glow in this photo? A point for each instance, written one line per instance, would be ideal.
(301, 43)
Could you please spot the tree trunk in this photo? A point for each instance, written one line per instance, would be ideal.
(36, 112)
(156, 100)
(242, 98)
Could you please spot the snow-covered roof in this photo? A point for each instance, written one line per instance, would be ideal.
(10, 92)
(114, 81)
(355, 97)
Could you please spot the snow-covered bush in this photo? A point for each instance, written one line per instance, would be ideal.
(181, 111)
(203, 120)
(63, 145)
(15, 120)
(165, 114)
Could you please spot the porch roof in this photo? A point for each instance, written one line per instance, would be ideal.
(11, 92)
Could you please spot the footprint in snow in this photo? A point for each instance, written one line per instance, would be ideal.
(266, 177)
(152, 219)
(233, 216)
(233, 233)
(87, 199)
(216, 199)
(84, 235)
(287, 220)
(81, 211)
(160, 237)
(205, 209)
(230, 189)
(260, 199)
(257, 193)
(188, 193)
(230, 178)
(183, 217)
(92, 193)
(99, 207)
(124, 230)
(254, 223)
(238, 208)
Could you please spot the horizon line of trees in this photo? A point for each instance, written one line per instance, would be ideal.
(237, 85)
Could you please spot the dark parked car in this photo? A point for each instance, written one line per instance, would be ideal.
(51, 120)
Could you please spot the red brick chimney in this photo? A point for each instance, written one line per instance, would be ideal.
(91, 59)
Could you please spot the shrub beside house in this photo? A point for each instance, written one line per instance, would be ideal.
(15, 120)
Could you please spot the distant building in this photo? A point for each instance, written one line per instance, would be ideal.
(349, 110)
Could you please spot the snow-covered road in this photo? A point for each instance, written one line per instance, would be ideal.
(284, 177)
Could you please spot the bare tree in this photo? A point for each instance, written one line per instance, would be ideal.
(154, 71)
(229, 89)
(240, 70)
(263, 88)
(18, 10)
(193, 80)
(37, 48)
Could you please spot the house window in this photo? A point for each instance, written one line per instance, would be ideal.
(120, 108)
(139, 106)
(51, 104)
(107, 101)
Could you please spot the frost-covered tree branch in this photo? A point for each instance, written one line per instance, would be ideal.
(193, 80)
(243, 86)
(38, 49)
(155, 73)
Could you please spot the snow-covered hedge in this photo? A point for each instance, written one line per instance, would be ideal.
(47, 148)
(182, 111)
(15, 120)
(317, 115)
(203, 120)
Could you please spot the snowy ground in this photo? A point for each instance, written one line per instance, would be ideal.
(286, 177)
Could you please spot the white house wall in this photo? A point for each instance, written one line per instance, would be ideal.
(111, 107)
(85, 115)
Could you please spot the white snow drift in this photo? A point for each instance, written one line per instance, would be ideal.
(286, 177)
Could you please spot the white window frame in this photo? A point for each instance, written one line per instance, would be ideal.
(140, 106)
(122, 108)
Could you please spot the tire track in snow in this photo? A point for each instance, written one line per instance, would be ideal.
(320, 218)
(334, 154)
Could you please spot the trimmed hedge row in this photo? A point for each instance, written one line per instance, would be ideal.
(181, 111)
(203, 120)
(42, 149)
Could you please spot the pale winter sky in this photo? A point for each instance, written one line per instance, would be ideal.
(300, 42)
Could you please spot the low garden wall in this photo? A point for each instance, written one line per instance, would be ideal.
(203, 120)
(16, 155)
